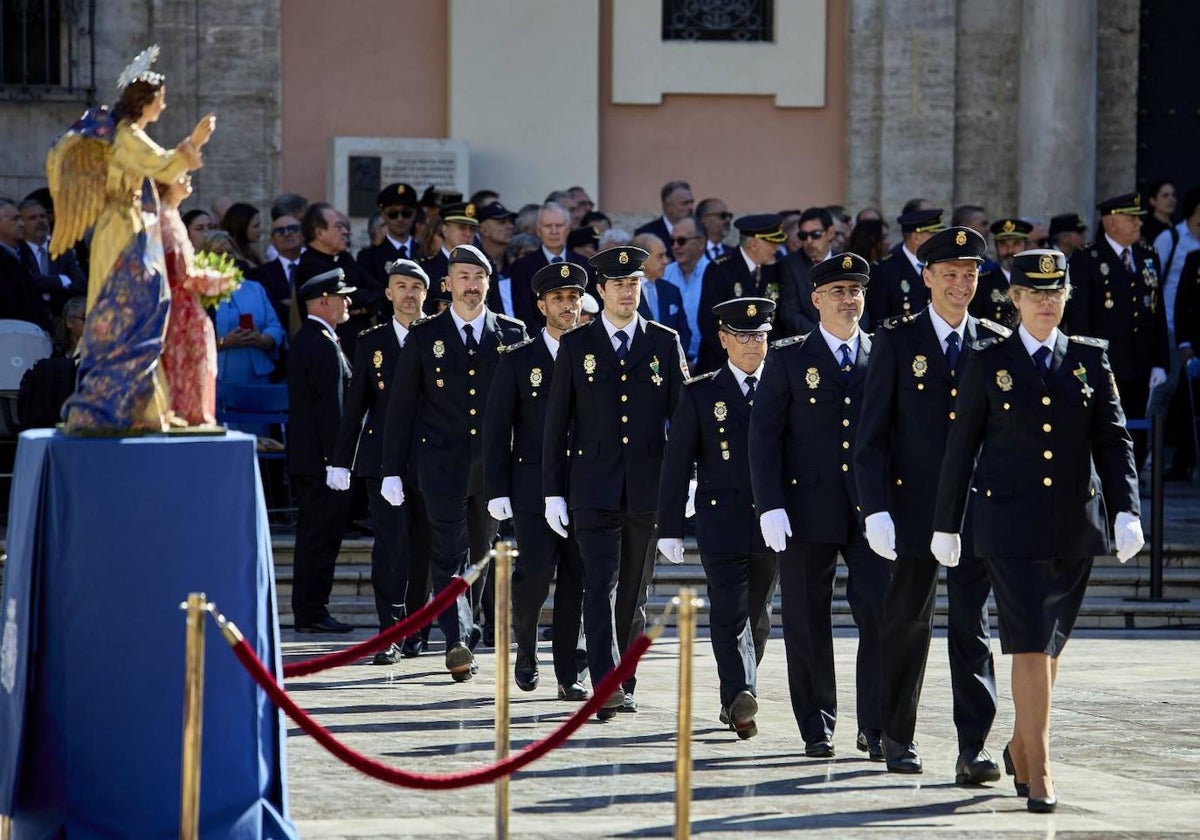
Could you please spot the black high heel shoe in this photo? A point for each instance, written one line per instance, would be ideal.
(1042, 804)
(1021, 787)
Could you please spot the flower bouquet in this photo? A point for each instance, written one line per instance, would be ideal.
(214, 277)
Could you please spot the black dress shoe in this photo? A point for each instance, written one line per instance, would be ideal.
(525, 672)
(388, 656)
(474, 638)
(611, 706)
(976, 767)
(870, 742)
(575, 692)
(328, 624)
(1042, 804)
(628, 705)
(460, 662)
(741, 715)
(489, 637)
(819, 749)
(1022, 788)
(412, 647)
(901, 758)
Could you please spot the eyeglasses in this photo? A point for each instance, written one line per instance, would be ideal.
(726, 216)
(840, 293)
(394, 213)
(1040, 295)
(746, 338)
(810, 234)
(682, 240)
(285, 230)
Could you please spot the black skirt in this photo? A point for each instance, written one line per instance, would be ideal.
(1038, 601)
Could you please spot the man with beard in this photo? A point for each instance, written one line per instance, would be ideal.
(444, 373)
(402, 539)
(992, 300)
(513, 428)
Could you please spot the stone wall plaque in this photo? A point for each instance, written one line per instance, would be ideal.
(358, 167)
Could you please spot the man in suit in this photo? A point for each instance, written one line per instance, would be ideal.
(801, 435)
(277, 276)
(18, 299)
(398, 205)
(677, 203)
(908, 406)
(318, 376)
(326, 235)
(496, 224)
(56, 279)
(553, 227)
(513, 429)
(1116, 294)
(402, 538)
(444, 373)
(749, 271)
(992, 300)
(898, 287)
(616, 385)
(1066, 233)
(686, 273)
(459, 222)
(661, 301)
(711, 428)
(715, 220)
(815, 231)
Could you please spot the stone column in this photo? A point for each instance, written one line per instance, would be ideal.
(1057, 113)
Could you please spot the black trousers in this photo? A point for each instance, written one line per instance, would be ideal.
(418, 542)
(392, 552)
(320, 522)
(461, 530)
(907, 628)
(617, 567)
(740, 589)
(543, 557)
(1134, 394)
(806, 577)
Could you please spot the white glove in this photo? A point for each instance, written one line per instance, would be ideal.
(776, 528)
(337, 478)
(946, 548)
(392, 490)
(689, 510)
(556, 515)
(671, 548)
(1128, 529)
(500, 508)
(881, 534)
(1157, 377)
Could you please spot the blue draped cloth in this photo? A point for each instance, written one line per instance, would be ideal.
(106, 537)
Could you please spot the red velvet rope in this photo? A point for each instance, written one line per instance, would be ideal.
(426, 781)
(432, 609)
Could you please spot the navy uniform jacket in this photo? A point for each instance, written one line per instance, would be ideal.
(437, 267)
(1046, 451)
(802, 436)
(1127, 311)
(711, 427)
(896, 288)
(318, 375)
(796, 314)
(991, 299)
(670, 309)
(616, 415)
(360, 437)
(523, 300)
(514, 425)
(445, 391)
(1187, 303)
(374, 259)
(907, 411)
(728, 277)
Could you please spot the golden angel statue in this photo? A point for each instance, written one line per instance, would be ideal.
(102, 173)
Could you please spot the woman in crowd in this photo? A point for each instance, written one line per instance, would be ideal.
(243, 223)
(199, 225)
(867, 239)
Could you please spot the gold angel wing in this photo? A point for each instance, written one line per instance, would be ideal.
(76, 168)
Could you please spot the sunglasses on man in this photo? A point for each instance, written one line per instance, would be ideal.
(680, 241)
(285, 230)
(394, 213)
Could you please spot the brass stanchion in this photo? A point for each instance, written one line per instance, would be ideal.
(5, 828)
(687, 603)
(193, 716)
(505, 551)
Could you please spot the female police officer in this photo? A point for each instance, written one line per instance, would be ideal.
(1041, 412)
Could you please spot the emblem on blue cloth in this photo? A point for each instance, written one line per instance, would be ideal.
(439, 349)
(589, 364)
(1004, 380)
(535, 377)
(720, 411)
(377, 359)
(8, 648)
(1104, 269)
(919, 366)
(812, 378)
(656, 379)
(1081, 374)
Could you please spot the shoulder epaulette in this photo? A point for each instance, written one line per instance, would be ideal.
(516, 322)
(573, 329)
(1092, 252)
(721, 259)
(662, 327)
(368, 330)
(897, 321)
(511, 347)
(886, 257)
(987, 343)
(791, 341)
(701, 377)
(1090, 341)
(421, 321)
(998, 329)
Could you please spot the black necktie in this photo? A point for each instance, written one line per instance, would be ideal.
(623, 347)
(557, 260)
(291, 274)
(472, 344)
(1041, 358)
(847, 365)
(953, 351)
(751, 381)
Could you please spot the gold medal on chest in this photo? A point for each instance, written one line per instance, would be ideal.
(589, 363)
(1081, 374)
(439, 349)
(377, 359)
(655, 378)
(919, 366)
(720, 411)
(812, 378)
(535, 377)
(1003, 380)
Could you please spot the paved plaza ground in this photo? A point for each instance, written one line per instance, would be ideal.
(1125, 744)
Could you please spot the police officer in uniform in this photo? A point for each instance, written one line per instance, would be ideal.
(992, 300)
(1041, 440)
(711, 428)
(459, 222)
(616, 385)
(513, 430)
(402, 539)
(398, 205)
(897, 287)
(801, 437)
(1116, 295)
(750, 271)
(908, 409)
(444, 373)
